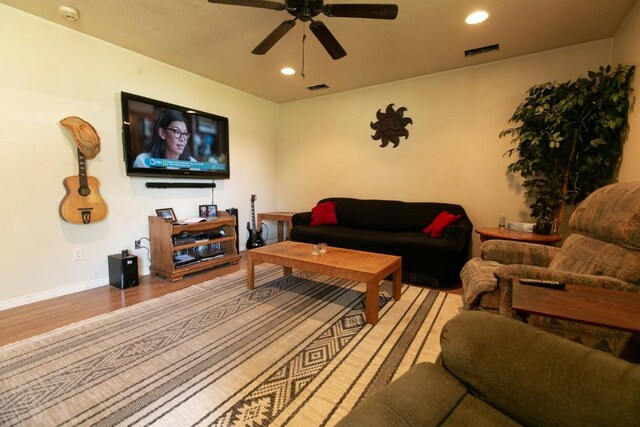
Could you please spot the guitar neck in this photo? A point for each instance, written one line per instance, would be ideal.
(253, 217)
(82, 170)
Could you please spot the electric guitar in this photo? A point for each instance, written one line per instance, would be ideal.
(255, 239)
(82, 204)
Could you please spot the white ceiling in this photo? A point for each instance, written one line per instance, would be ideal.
(428, 36)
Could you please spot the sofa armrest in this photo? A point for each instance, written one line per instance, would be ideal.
(510, 252)
(301, 218)
(537, 378)
(459, 233)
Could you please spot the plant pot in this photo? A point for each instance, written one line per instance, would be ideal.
(543, 226)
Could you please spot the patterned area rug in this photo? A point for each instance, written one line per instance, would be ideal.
(294, 351)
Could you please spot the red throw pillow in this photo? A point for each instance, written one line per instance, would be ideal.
(324, 214)
(442, 221)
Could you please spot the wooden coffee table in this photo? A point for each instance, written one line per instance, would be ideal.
(367, 267)
(585, 304)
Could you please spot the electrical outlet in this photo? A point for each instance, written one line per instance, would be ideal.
(137, 244)
(76, 254)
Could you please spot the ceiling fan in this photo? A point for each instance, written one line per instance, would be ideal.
(306, 10)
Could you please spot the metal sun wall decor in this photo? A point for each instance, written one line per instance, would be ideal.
(391, 126)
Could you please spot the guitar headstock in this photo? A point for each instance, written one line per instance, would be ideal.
(253, 198)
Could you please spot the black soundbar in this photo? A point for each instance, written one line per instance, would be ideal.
(180, 184)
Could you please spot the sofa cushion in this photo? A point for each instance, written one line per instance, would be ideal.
(442, 221)
(373, 240)
(324, 214)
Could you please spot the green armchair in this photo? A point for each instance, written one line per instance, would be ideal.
(602, 251)
(494, 371)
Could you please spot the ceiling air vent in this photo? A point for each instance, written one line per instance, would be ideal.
(481, 50)
(318, 87)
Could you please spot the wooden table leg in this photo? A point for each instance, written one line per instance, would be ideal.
(397, 284)
(250, 277)
(371, 302)
(287, 271)
(522, 316)
(280, 231)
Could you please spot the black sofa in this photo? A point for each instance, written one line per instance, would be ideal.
(395, 228)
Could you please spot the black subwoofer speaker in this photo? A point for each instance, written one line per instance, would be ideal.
(123, 270)
(234, 212)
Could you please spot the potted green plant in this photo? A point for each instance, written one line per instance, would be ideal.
(569, 137)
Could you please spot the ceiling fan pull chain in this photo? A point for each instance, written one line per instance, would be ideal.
(304, 37)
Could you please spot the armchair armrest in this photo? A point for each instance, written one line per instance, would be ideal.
(301, 218)
(510, 252)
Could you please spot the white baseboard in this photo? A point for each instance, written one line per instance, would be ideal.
(57, 292)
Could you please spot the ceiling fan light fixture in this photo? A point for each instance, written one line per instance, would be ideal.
(477, 17)
(288, 71)
(305, 11)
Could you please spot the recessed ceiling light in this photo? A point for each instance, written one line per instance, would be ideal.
(288, 71)
(477, 17)
(68, 13)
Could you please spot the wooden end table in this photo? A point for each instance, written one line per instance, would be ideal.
(585, 304)
(367, 267)
(518, 236)
(280, 218)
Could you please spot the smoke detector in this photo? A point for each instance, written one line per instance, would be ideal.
(69, 13)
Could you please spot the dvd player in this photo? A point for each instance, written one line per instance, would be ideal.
(185, 259)
(183, 239)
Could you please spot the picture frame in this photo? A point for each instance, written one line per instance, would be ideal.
(208, 211)
(167, 214)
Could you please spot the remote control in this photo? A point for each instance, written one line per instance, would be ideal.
(553, 284)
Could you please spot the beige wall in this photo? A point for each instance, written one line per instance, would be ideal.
(49, 72)
(453, 152)
(290, 155)
(626, 50)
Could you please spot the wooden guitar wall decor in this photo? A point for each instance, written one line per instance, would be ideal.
(82, 204)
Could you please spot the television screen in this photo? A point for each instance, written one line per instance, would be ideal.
(167, 140)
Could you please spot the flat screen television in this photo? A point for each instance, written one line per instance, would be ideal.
(169, 141)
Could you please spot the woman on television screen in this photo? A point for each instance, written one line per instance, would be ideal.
(169, 141)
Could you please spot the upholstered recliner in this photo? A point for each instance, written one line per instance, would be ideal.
(493, 371)
(602, 251)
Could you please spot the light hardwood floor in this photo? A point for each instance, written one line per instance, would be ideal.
(37, 318)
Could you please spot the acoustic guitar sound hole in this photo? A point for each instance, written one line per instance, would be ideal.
(84, 191)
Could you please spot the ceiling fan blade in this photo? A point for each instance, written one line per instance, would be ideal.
(325, 37)
(373, 11)
(264, 4)
(273, 38)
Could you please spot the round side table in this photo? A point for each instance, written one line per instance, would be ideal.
(518, 236)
